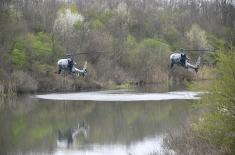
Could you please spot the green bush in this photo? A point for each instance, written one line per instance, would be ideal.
(104, 16)
(41, 44)
(19, 55)
(198, 37)
(147, 59)
(218, 125)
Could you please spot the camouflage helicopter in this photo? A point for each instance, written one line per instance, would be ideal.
(181, 59)
(66, 65)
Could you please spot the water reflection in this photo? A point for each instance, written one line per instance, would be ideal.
(67, 137)
(145, 147)
(31, 126)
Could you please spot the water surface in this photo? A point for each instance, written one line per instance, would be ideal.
(121, 95)
(112, 126)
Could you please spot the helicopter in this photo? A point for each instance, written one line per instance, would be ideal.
(181, 59)
(67, 65)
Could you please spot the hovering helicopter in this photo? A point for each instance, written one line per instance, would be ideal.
(67, 65)
(181, 59)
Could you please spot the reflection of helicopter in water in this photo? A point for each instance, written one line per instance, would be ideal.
(67, 65)
(181, 59)
(66, 138)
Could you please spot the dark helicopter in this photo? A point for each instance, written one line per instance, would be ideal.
(181, 59)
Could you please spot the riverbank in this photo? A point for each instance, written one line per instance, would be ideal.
(21, 82)
(186, 140)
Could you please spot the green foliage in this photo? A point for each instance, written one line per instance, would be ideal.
(125, 85)
(97, 24)
(217, 129)
(147, 58)
(78, 25)
(155, 44)
(131, 41)
(224, 86)
(72, 7)
(18, 127)
(19, 53)
(154, 48)
(41, 44)
(218, 125)
(44, 68)
(100, 19)
(104, 16)
(198, 37)
(153, 51)
(217, 43)
(172, 36)
(40, 132)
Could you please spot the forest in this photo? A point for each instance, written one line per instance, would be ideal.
(135, 39)
(136, 36)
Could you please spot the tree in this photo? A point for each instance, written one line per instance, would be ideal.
(198, 38)
(218, 125)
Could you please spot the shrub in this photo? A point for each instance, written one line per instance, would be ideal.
(23, 82)
(198, 37)
(147, 59)
(218, 125)
(19, 55)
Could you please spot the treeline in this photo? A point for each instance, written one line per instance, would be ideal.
(137, 36)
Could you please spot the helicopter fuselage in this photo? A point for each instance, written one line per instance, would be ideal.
(63, 63)
(66, 65)
(176, 59)
(182, 60)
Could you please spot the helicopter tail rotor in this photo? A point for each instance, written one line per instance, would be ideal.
(197, 65)
(198, 62)
(84, 70)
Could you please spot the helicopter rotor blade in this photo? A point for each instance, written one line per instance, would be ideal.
(194, 50)
(80, 53)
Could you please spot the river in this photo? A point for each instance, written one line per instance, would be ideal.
(113, 122)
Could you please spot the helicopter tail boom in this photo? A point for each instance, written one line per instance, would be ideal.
(82, 72)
